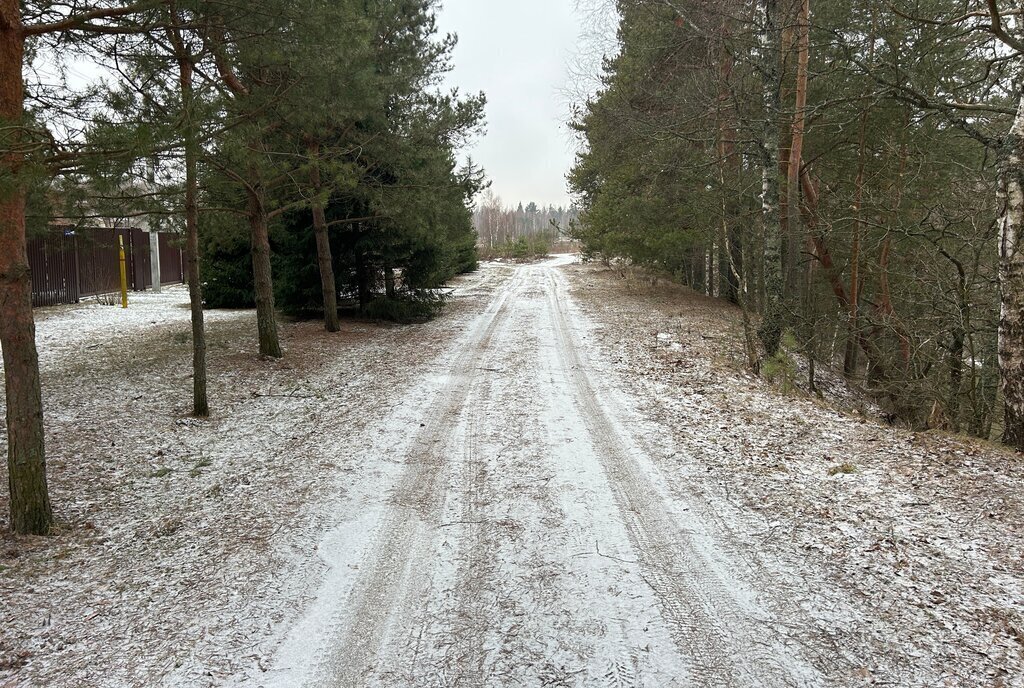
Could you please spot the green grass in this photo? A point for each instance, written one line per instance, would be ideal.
(197, 469)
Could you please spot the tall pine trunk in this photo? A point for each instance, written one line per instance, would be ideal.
(200, 401)
(796, 151)
(263, 282)
(26, 456)
(1011, 281)
(323, 243)
(259, 233)
(773, 321)
(791, 162)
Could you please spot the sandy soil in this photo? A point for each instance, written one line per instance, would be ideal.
(566, 480)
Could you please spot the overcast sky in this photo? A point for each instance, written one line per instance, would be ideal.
(519, 53)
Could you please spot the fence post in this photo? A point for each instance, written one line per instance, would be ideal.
(124, 272)
(154, 258)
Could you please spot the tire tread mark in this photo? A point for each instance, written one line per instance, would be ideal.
(723, 647)
(415, 502)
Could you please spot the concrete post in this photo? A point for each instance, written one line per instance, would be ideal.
(154, 236)
(154, 259)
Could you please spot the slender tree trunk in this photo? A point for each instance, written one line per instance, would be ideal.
(773, 321)
(785, 227)
(811, 332)
(853, 326)
(716, 269)
(259, 234)
(707, 270)
(817, 246)
(26, 455)
(730, 238)
(363, 280)
(956, 376)
(800, 107)
(389, 282)
(263, 283)
(323, 244)
(853, 321)
(200, 401)
(792, 158)
(1011, 281)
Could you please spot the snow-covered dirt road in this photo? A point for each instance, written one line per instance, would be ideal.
(565, 480)
(529, 541)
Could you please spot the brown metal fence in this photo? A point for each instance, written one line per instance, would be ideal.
(172, 260)
(53, 261)
(67, 265)
(141, 276)
(99, 262)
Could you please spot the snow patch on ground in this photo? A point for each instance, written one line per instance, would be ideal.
(911, 563)
(186, 548)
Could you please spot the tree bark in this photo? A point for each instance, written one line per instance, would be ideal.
(323, 243)
(793, 157)
(259, 233)
(1011, 281)
(956, 376)
(818, 248)
(200, 400)
(773, 321)
(730, 239)
(26, 456)
(263, 282)
(800, 107)
(850, 362)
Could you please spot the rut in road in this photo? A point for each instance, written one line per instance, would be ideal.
(379, 590)
(710, 625)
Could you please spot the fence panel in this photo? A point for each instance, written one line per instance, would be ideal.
(141, 261)
(53, 261)
(172, 264)
(99, 267)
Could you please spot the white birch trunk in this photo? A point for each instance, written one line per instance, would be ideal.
(1011, 281)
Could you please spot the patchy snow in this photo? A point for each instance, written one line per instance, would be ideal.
(77, 331)
(910, 567)
(185, 546)
(567, 479)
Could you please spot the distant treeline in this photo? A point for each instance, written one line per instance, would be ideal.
(502, 228)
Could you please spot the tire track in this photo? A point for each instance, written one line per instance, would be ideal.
(477, 567)
(724, 646)
(494, 435)
(386, 582)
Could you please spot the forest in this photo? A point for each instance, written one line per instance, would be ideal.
(848, 173)
(306, 149)
(726, 388)
(519, 231)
